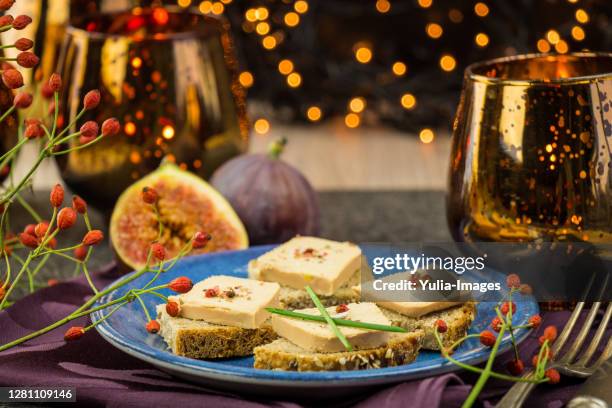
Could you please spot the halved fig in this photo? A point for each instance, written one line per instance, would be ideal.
(186, 204)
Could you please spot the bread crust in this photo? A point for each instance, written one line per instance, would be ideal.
(457, 318)
(284, 355)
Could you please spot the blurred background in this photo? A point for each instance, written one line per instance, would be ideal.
(366, 90)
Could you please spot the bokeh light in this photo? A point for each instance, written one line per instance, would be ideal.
(408, 101)
(261, 126)
(434, 30)
(448, 63)
(426, 135)
(399, 68)
(314, 113)
(246, 79)
(357, 104)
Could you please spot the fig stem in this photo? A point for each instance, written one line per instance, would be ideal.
(277, 147)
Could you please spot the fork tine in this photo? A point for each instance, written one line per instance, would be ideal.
(599, 334)
(569, 326)
(568, 357)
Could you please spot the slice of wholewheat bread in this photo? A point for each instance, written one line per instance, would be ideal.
(291, 298)
(457, 318)
(283, 355)
(202, 340)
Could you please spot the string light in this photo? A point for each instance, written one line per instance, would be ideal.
(582, 16)
(399, 68)
(129, 128)
(481, 9)
(434, 30)
(285, 67)
(357, 104)
(218, 8)
(561, 47)
(448, 63)
(168, 132)
(425, 3)
(314, 113)
(352, 120)
(301, 6)
(553, 37)
(455, 16)
(543, 45)
(482, 40)
(426, 135)
(262, 28)
(294, 79)
(363, 54)
(383, 6)
(269, 42)
(292, 19)
(205, 7)
(184, 3)
(261, 13)
(261, 126)
(408, 101)
(251, 15)
(246, 79)
(578, 33)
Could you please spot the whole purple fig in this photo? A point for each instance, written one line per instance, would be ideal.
(273, 199)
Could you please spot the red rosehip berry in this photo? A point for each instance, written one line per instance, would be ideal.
(496, 324)
(535, 358)
(52, 282)
(341, 308)
(153, 326)
(515, 367)
(505, 308)
(46, 90)
(55, 82)
(66, 218)
(79, 204)
(41, 229)
(12, 78)
(23, 100)
(30, 229)
(158, 251)
(535, 321)
(550, 332)
(149, 195)
(553, 376)
(93, 237)
(6, 20)
(110, 127)
(33, 131)
(6, 4)
(80, 252)
(28, 240)
(91, 100)
(27, 59)
(441, 326)
(52, 243)
(57, 196)
(74, 333)
(89, 129)
(181, 284)
(24, 44)
(2, 292)
(513, 281)
(21, 22)
(212, 292)
(200, 239)
(487, 338)
(173, 308)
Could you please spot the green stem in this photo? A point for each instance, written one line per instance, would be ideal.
(55, 113)
(28, 208)
(24, 180)
(328, 319)
(17, 279)
(89, 280)
(484, 376)
(79, 147)
(7, 112)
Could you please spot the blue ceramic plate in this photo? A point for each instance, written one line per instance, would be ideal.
(125, 330)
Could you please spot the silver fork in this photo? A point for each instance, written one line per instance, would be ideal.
(565, 363)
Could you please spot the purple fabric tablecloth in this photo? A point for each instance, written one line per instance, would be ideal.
(104, 376)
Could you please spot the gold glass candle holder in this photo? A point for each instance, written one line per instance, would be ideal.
(531, 150)
(168, 76)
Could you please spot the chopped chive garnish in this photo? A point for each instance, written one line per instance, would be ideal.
(339, 322)
(328, 319)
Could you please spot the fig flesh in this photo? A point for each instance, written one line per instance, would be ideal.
(186, 204)
(273, 199)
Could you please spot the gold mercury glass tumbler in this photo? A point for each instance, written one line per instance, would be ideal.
(169, 77)
(531, 150)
